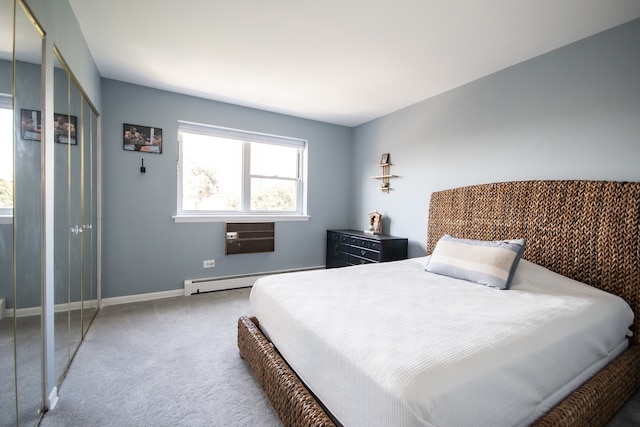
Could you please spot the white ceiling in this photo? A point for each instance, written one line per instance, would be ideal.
(337, 61)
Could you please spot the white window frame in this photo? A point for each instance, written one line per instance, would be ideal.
(247, 136)
(6, 102)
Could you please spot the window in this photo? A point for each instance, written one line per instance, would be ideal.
(6, 156)
(226, 173)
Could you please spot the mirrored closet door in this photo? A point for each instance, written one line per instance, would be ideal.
(89, 137)
(21, 226)
(7, 360)
(46, 303)
(75, 214)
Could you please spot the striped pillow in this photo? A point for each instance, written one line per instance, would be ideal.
(490, 263)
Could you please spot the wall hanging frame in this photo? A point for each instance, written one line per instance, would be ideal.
(30, 125)
(142, 138)
(64, 127)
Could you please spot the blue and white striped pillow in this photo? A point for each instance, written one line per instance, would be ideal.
(490, 263)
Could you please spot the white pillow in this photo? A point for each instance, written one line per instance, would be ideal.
(490, 263)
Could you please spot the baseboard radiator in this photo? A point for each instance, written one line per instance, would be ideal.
(197, 286)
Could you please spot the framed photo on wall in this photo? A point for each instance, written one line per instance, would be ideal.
(64, 128)
(142, 138)
(30, 125)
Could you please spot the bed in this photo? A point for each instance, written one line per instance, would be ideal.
(586, 231)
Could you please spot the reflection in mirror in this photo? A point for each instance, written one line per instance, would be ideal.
(75, 252)
(22, 148)
(69, 138)
(28, 217)
(89, 243)
(7, 362)
(62, 223)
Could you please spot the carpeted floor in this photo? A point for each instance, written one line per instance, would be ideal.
(175, 362)
(169, 362)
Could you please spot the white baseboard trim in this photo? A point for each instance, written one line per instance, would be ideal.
(58, 308)
(25, 312)
(141, 297)
(181, 292)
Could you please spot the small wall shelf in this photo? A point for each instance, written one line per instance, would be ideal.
(385, 186)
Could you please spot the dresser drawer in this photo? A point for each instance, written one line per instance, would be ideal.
(355, 260)
(337, 246)
(343, 256)
(338, 238)
(365, 253)
(365, 243)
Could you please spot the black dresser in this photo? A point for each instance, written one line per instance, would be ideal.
(352, 247)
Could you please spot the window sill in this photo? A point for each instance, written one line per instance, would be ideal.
(238, 218)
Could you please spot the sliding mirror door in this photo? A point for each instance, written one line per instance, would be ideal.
(74, 142)
(7, 361)
(75, 213)
(28, 217)
(67, 328)
(89, 137)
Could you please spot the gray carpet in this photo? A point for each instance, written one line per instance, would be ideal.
(28, 371)
(174, 362)
(169, 362)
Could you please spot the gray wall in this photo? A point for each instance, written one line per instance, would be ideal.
(63, 31)
(144, 250)
(573, 113)
(27, 193)
(27, 200)
(6, 230)
(5, 76)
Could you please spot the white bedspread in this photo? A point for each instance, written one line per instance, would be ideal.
(392, 345)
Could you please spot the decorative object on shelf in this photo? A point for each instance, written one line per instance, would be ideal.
(142, 168)
(375, 223)
(385, 164)
(142, 138)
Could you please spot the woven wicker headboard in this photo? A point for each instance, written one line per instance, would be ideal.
(586, 230)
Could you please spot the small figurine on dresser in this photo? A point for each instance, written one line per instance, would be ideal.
(375, 223)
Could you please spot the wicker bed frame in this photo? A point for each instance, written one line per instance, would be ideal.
(585, 230)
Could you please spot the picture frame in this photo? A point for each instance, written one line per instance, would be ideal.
(64, 128)
(145, 139)
(384, 159)
(31, 125)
